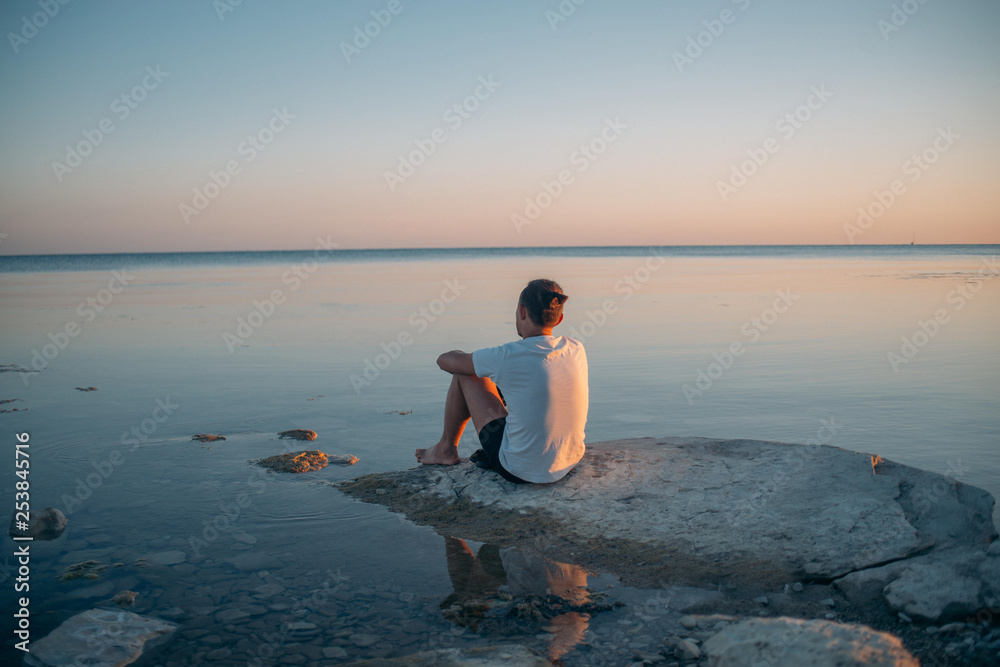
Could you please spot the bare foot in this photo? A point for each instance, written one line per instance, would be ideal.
(440, 454)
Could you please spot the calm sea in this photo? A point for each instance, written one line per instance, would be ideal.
(887, 350)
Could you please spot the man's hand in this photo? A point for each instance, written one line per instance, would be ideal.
(457, 362)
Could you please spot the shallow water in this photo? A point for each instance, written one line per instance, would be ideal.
(158, 355)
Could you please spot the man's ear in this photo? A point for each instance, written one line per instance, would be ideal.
(560, 320)
(522, 311)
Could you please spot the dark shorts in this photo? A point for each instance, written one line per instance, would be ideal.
(490, 438)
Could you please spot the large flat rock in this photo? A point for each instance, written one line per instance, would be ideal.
(658, 510)
(100, 638)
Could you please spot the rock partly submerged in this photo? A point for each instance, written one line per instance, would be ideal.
(791, 642)
(99, 638)
(125, 599)
(47, 524)
(304, 461)
(298, 434)
(207, 437)
(750, 513)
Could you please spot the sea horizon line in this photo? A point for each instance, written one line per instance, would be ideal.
(333, 249)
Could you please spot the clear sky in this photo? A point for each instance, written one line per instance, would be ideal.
(667, 123)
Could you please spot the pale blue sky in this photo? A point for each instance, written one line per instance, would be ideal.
(324, 174)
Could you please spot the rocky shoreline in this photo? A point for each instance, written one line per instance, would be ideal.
(820, 533)
(673, 552)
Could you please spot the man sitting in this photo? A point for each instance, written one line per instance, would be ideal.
(534, 431)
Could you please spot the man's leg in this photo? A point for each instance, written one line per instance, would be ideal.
(468, 397)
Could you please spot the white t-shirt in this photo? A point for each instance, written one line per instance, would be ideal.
(544, 381)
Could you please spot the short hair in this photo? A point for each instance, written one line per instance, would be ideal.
(544, 300)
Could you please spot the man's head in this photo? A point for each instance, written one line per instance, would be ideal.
(542, 301)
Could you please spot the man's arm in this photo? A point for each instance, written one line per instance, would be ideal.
(457, 362)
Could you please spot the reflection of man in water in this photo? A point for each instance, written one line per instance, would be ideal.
(534, 432)
(475, 579)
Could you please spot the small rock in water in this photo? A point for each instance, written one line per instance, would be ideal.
(363, 640)
(828, 602)
(167, 557)
(207, 437)
(334, 652)
(88, 569)
(295, 461)
(797, 587)
(830, 616)
(86, 388)
(689, 622)
(904, 618)
(125, 598)
(298, 434)
(228, 616)
(16, 368)
(348, 460)
(301, 629)
(762, 600)
(45, 525)
(687, 650)
(268, 590)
